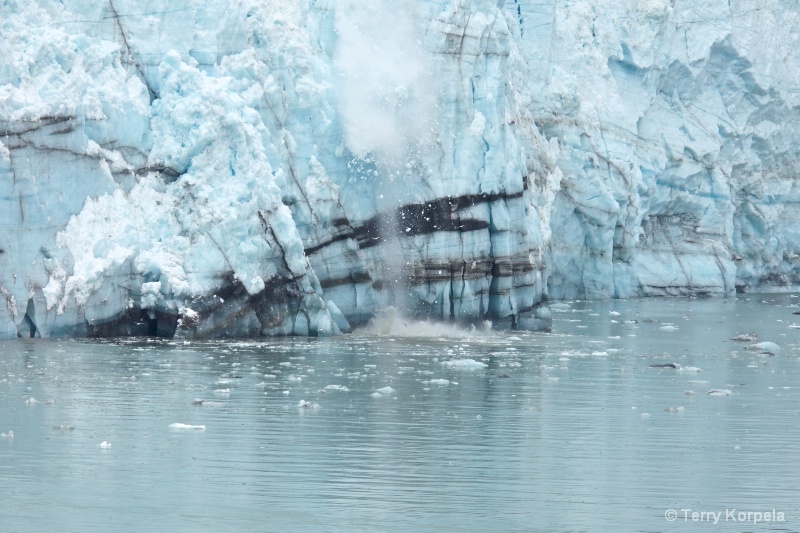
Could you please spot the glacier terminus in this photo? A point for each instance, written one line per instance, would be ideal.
(255, 167)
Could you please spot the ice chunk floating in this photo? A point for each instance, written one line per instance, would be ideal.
(179, 426)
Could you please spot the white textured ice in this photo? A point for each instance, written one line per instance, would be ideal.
(266, 168)
(464, 364)
(178, 425)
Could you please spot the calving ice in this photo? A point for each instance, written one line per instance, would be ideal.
(249, 168)
(729, 515)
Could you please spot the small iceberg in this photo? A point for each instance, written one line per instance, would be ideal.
(765, 347)
(464, 364)
(9, 435)
(105, 444)
(719, 392)
(302, 404)
(746, 337)
(439, 382)
(386, 391)
(178, 425)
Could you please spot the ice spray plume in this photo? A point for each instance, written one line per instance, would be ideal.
(387, 106)
(384, 79)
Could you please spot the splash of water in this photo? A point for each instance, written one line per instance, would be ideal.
(390, 321)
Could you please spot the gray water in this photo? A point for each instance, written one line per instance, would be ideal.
(569, 431)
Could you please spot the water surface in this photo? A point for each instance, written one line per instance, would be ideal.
(569, 431)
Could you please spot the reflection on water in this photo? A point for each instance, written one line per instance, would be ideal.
(571, 431)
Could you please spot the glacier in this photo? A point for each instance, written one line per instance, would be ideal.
(254, 167)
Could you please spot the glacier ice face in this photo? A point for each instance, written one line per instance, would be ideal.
(677, 123)
(250, 168)
(264, 168)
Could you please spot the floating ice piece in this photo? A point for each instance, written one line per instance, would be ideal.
(691, 369)
(31, 401)
(669, 327)
(614, 313)
(337, 387)
(178, 425)
(105, 444)
(386, 391)
(765, 347)
(9, 435)
(376, 395)
(674, 409)
(645, 415)
(746, 337)
(222, 392)
(464, 364)
(719, 392)
(439, 382)
(302, 404)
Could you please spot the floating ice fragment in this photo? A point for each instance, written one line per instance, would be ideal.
(692, 369)
(746, 337)
(614, 313)
(178, 425)
(674, 409)
(645, 415)
(376, 395)
(719, 392)
(223, 392)
(464, 364)
(337, 387)
(31, 401)
(439, 382)
(765, 347)
(669, 327)
(385, 391)
(302, 404)
(105, 444)
(9, 435)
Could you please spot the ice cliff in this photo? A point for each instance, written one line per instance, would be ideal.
(253, 167)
